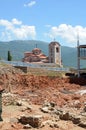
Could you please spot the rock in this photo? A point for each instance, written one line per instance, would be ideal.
(79, 120)
(83, 114)
(76, 119)
(84, 103)
(34, 121)
(77, 104)
(9, 98)
(64, 116)
(82, 124)
(25, 105)
(45, 110)
(27, 126)
(49, 104)
(24, 120)
(50, 123)
(84, 109)
(48, 107)
(45, 123)
(19, 103)
(52, 104)
(23, 109)
(58, 111)
(54, 125)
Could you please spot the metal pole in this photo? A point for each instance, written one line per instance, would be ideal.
(78, 56)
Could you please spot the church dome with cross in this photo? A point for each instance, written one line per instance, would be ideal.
(35, 55)
(36, 51)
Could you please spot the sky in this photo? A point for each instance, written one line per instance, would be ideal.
(44, 20)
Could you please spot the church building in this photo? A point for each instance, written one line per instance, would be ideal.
(37, 56)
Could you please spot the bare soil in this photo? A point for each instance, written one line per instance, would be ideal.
(63, 91)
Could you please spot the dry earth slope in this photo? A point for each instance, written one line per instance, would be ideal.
(41, 102)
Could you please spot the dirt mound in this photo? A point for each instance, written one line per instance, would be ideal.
(58, 89)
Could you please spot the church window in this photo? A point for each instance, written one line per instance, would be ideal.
(57, 49)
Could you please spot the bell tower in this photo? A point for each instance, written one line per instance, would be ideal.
(55, 53)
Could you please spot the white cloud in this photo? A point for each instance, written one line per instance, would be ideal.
(68, 33)
(17, 22)
(10, 31)
(25, 32)
(30, 4)
(6, 24)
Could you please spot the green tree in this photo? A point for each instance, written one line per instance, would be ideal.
(9, 56)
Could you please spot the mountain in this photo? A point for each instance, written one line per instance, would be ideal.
(18, 47)
(69, 56)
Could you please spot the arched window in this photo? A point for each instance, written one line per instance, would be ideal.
(57, 49)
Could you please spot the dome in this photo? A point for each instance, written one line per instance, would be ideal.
(36, 51)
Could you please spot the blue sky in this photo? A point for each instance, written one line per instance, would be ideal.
(43, 20)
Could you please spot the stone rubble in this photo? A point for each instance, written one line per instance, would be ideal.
(33, 120)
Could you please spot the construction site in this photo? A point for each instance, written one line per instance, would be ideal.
(41, 99)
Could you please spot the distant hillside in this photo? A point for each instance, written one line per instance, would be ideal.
(69, 56)
(17, 49)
